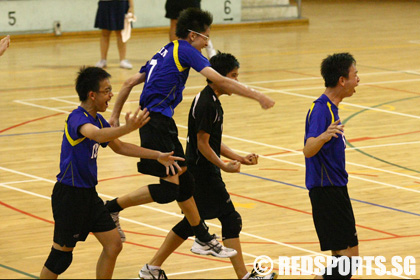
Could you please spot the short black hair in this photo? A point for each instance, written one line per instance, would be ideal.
(223, 63)
(335, 66)
(193, 19)
(88, 79)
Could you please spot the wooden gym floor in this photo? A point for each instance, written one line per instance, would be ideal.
(382, 128)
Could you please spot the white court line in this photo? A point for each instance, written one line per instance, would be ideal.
(274, 147)
(356, 148)
(19, 182)
(160, 229)
(149, 207)
(345, 103)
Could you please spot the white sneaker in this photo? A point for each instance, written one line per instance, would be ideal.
(101, 63)
(125, 64)
(147, 273)
(116, 218)
(213, 247)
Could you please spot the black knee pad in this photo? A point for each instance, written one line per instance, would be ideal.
(231, 225)
(164, 192)
(186, 186)
(183, 229)
(333, 270)
(58, 261)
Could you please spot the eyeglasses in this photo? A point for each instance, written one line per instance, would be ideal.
(202, 35)
(107, 91)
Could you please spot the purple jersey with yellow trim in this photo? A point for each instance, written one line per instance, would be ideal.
(78, 166)
(328, 166)
(166, 75)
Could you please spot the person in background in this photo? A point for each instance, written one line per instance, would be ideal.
(173, 9)
(110, 17)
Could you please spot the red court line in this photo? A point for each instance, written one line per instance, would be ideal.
(394, 89)
(370, 175)
(20, 124)
(380, 137)
(25, 213)
(278, 153)
(304, 212)
(120, 177)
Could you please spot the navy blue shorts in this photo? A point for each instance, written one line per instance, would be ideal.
(111, 14)
(333, 218)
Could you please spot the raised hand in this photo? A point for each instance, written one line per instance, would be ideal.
(4, 44)
(169, 161)
(333, 130)
(139, 119)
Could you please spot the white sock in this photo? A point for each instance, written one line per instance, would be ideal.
(246, 276)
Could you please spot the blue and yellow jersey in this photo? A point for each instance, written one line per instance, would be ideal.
(78, 166)
(166, 75)
(327, 167)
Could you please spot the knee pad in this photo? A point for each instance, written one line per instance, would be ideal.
(164, 192)
(183, 229)
(341, 268)
(186, 186)
(58, 261)
(231, 225)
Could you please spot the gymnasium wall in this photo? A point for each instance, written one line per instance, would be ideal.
(38, 16)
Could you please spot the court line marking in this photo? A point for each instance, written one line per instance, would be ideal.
(170, 213)
(276, 147)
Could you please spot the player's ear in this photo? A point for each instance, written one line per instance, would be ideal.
(91, 95)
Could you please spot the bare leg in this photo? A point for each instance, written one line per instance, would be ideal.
(105, 36)
(189, 208)
(48, 274)
(238, 260)
(112, 246)
(171, 243)
(122, 47)
(137, 197)
(172, 30)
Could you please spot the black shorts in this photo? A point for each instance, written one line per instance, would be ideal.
(210, 195)
(160, 134)
(78, 211)
(174, 7)
(333, 218)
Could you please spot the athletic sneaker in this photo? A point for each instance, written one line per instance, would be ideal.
(255, 275)
(101, 63)
(116, 217)
(125, 64)
(213, 247)
(147, 273)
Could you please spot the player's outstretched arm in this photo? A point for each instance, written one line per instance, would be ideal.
(123, 95)
(132, 122)
(131, 150)
(236, 87)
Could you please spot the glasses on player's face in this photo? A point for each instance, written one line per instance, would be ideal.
(107, 91)
(206, 38)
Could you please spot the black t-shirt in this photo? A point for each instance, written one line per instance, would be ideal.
(206, 114)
